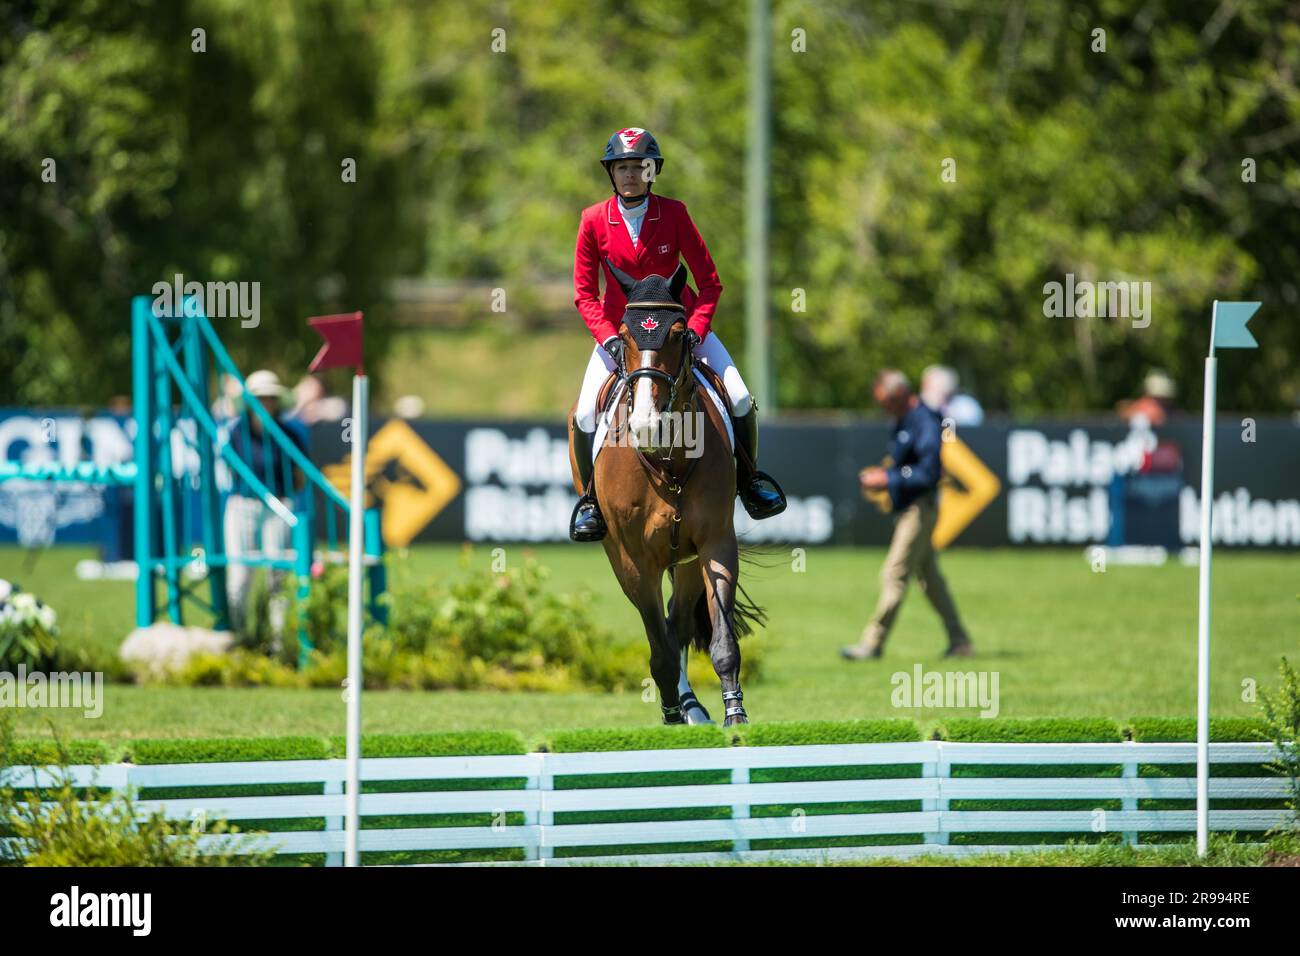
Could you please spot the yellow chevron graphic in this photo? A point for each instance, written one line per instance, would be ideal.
(424, 485)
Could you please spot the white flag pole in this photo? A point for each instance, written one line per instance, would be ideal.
(360, 394)
(1203, 626)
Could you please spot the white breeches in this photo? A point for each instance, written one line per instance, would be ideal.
(711, 352)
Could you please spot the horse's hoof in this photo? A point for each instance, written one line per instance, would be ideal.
(734, 719)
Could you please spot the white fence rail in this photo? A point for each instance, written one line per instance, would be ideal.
(523, 819)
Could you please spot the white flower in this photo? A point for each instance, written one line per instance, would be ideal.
(23, 601)
(47, 618)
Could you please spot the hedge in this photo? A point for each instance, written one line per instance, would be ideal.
(1023, 730)
(1180, 729)
(480, 743)
(809, 732)
(226, 750)
(635, 738)
(792, 733)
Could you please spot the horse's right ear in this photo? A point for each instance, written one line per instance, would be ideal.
(625, 281)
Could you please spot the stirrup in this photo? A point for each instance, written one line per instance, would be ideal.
(757, 507)
(596, 528)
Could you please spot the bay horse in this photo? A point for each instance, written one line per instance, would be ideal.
(668, 501)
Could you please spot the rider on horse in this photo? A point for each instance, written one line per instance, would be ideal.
(643, 234)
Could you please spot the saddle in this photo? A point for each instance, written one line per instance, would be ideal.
(605, 395)
(605, 398)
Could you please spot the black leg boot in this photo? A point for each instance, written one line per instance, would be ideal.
(758, 491)
(587, 523)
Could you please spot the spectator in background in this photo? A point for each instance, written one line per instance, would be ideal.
(250, 525)
(939, 391)
(409, 407)
(1156, 403)
(312, 404)
(913, 485)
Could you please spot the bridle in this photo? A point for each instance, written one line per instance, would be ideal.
(661, 469)
(674, 382)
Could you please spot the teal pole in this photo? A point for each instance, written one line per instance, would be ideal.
(142, 408)
(375, 573)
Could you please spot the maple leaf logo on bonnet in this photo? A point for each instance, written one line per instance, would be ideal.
(650, 324)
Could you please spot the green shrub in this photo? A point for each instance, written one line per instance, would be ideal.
(1282, 717)
(70, 825)
(29, 632)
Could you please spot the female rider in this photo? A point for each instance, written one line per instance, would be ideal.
(642, 235)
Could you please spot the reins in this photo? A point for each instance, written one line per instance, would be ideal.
(662, 469)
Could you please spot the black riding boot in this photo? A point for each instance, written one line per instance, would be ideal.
(587, 523)
(758, 491)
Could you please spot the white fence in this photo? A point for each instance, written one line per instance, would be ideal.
(523, 819)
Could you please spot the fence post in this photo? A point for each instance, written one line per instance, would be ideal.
(740, 809)
(1129, 802)
(936, 770)
(332, 787)
(544, 817)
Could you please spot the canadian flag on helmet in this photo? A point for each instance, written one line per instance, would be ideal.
(630, 137)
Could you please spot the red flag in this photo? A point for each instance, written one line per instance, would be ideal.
(342, 335)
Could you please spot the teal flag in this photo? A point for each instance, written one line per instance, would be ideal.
(1230, 320)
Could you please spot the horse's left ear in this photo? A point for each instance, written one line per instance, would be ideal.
(625, 281)
(678, 282)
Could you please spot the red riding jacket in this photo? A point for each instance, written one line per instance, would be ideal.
(666, 233)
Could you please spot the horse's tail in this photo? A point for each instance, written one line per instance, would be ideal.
(746, 613)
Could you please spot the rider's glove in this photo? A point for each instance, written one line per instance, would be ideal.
(614, 346)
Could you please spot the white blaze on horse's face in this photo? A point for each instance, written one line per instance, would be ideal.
(645, 416)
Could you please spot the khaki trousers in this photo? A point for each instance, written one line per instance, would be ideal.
(910, 552)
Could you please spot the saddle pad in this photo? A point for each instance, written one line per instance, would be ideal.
(602, 426)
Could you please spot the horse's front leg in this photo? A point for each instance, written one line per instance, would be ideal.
(645, 591)
(719, 567)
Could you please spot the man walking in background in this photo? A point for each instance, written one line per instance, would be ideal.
(251, 528)
(912, 482)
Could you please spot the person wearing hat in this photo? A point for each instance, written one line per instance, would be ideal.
(641, 234)
(1156, 403)
(250, 525)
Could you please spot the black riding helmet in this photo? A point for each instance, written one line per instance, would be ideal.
(632, 143)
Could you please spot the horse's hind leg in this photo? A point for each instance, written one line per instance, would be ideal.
(687, 589)
(719, 568)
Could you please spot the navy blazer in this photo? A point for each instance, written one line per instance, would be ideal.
(915, 448)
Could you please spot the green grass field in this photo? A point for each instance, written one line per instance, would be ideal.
(1062, 639)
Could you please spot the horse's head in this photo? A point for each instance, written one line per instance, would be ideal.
(658, 364)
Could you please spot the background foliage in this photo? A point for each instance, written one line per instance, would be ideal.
(474, 164)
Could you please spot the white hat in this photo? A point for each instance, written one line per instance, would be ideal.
(264, 384)
(1159, 385)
